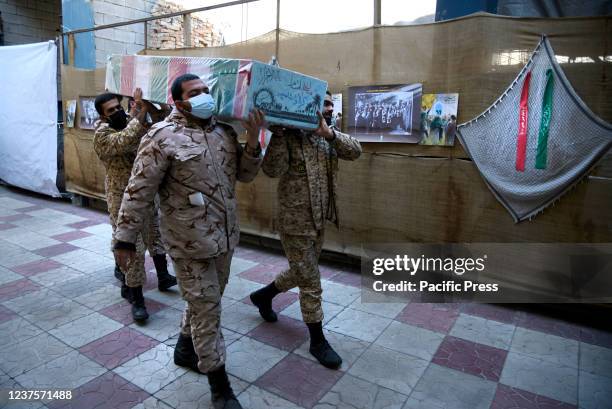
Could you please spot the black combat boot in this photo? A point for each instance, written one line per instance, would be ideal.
(139, 311)
(184, 353)
(164, 279)
(222, 395)
(262, 299)
(320, 348)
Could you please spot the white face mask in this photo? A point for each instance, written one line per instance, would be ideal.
(202, 106)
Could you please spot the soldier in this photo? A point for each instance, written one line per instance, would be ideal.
(193, 161)
(307, 164)
(116, 140)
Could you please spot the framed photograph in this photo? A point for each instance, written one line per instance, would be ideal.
(385, 113)
(70, 112)
(439, 119)
(87, 112)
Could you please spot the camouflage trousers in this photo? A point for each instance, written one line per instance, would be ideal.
(303, 255)
(149, 238)
(202, 283)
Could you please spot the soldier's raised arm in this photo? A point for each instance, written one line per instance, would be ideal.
(347, 147)
(249, 157)
(109, 142)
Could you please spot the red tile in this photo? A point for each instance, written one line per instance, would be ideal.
(118, 347)
(84, 224)
(352, 279)
(481, 360)
(108, 391)
(36, 267)
(15, 217)
(596, 337)
(72, 235)
(16, 289)
(6, 226)
(491, 312)
(56, 250)
(299, 380)
(122, 311)
(435, 317)
(514, 398)
(548, 325)
(30, 208)
(286, 334)
(6, 314)
(280, 302)
(263, 273)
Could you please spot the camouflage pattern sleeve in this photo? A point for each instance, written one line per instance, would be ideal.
(248, 164)
(149, 170)
(109, 143)
(347, 147)
(276, 159)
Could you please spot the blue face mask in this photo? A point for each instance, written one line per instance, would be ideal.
(202, 106)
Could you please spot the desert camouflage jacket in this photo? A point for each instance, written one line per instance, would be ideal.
(307, 166)
(195, 173)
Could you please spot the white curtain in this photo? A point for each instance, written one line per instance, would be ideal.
(28, 116)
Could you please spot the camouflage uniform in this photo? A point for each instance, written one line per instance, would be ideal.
(307, 166)
(117, 151)
(186, 164)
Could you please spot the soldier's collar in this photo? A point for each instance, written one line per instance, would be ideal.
(177, 117)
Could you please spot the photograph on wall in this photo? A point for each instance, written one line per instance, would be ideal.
(385, 113)
(70, 112)
(87, 113)
(439, 119)
(337, 118)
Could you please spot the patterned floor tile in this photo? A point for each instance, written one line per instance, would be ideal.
(548, 325)
(546, 347)
(192, 391)
(299, 380)
(484, 331)
(19, 358)
(152, 403)
(109, 391)
(14, 217)
(330, 311)
(543, 378)
(30, 240)
(248, 359)
(5, 403)
(66, 372)
(480, 360)
(435, 317)
(286, 333)
(161, 325)
(118, 347)
(339, 293)
(349, 349)
(85, 260)
(378, 304)
(513, 398)
(56, 250)
(240, 318)
(257, 398)
(84, 224)
(389, 369)
(354, 393)
(122, 311)
(410, 340)
(596, 337)
(84, 284)
(8, 276)
(240, 265)
(594, 391)
(36, 267)
(262, 273)
(442, 387)
(13, 204)
(280, 302)
(491, 312)
(31, 302)
(17, 288)
(13, 255)
(100, 298)
(57, 216)
(151, 370)
(358, 324)
(58, 315)
(85, 330)
(103, 229)
(171, 298)
(239, 288)
(596, 360)
(54, 277)
(350, 279)
(6, 226)
(15, 331)
(6, 315)
(70, 236)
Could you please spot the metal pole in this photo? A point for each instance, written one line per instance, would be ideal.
(277, 27)
(146, 39)
(187, 30)
(377, 12)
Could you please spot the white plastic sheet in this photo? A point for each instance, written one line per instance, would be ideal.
(28, 116)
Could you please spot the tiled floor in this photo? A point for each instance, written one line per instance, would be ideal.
(63, 324)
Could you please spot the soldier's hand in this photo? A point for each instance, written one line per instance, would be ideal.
(137, 95)
(253, 126)
(323, 130)
(123, 257)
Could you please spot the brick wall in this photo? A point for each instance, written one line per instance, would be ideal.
(30, 21)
